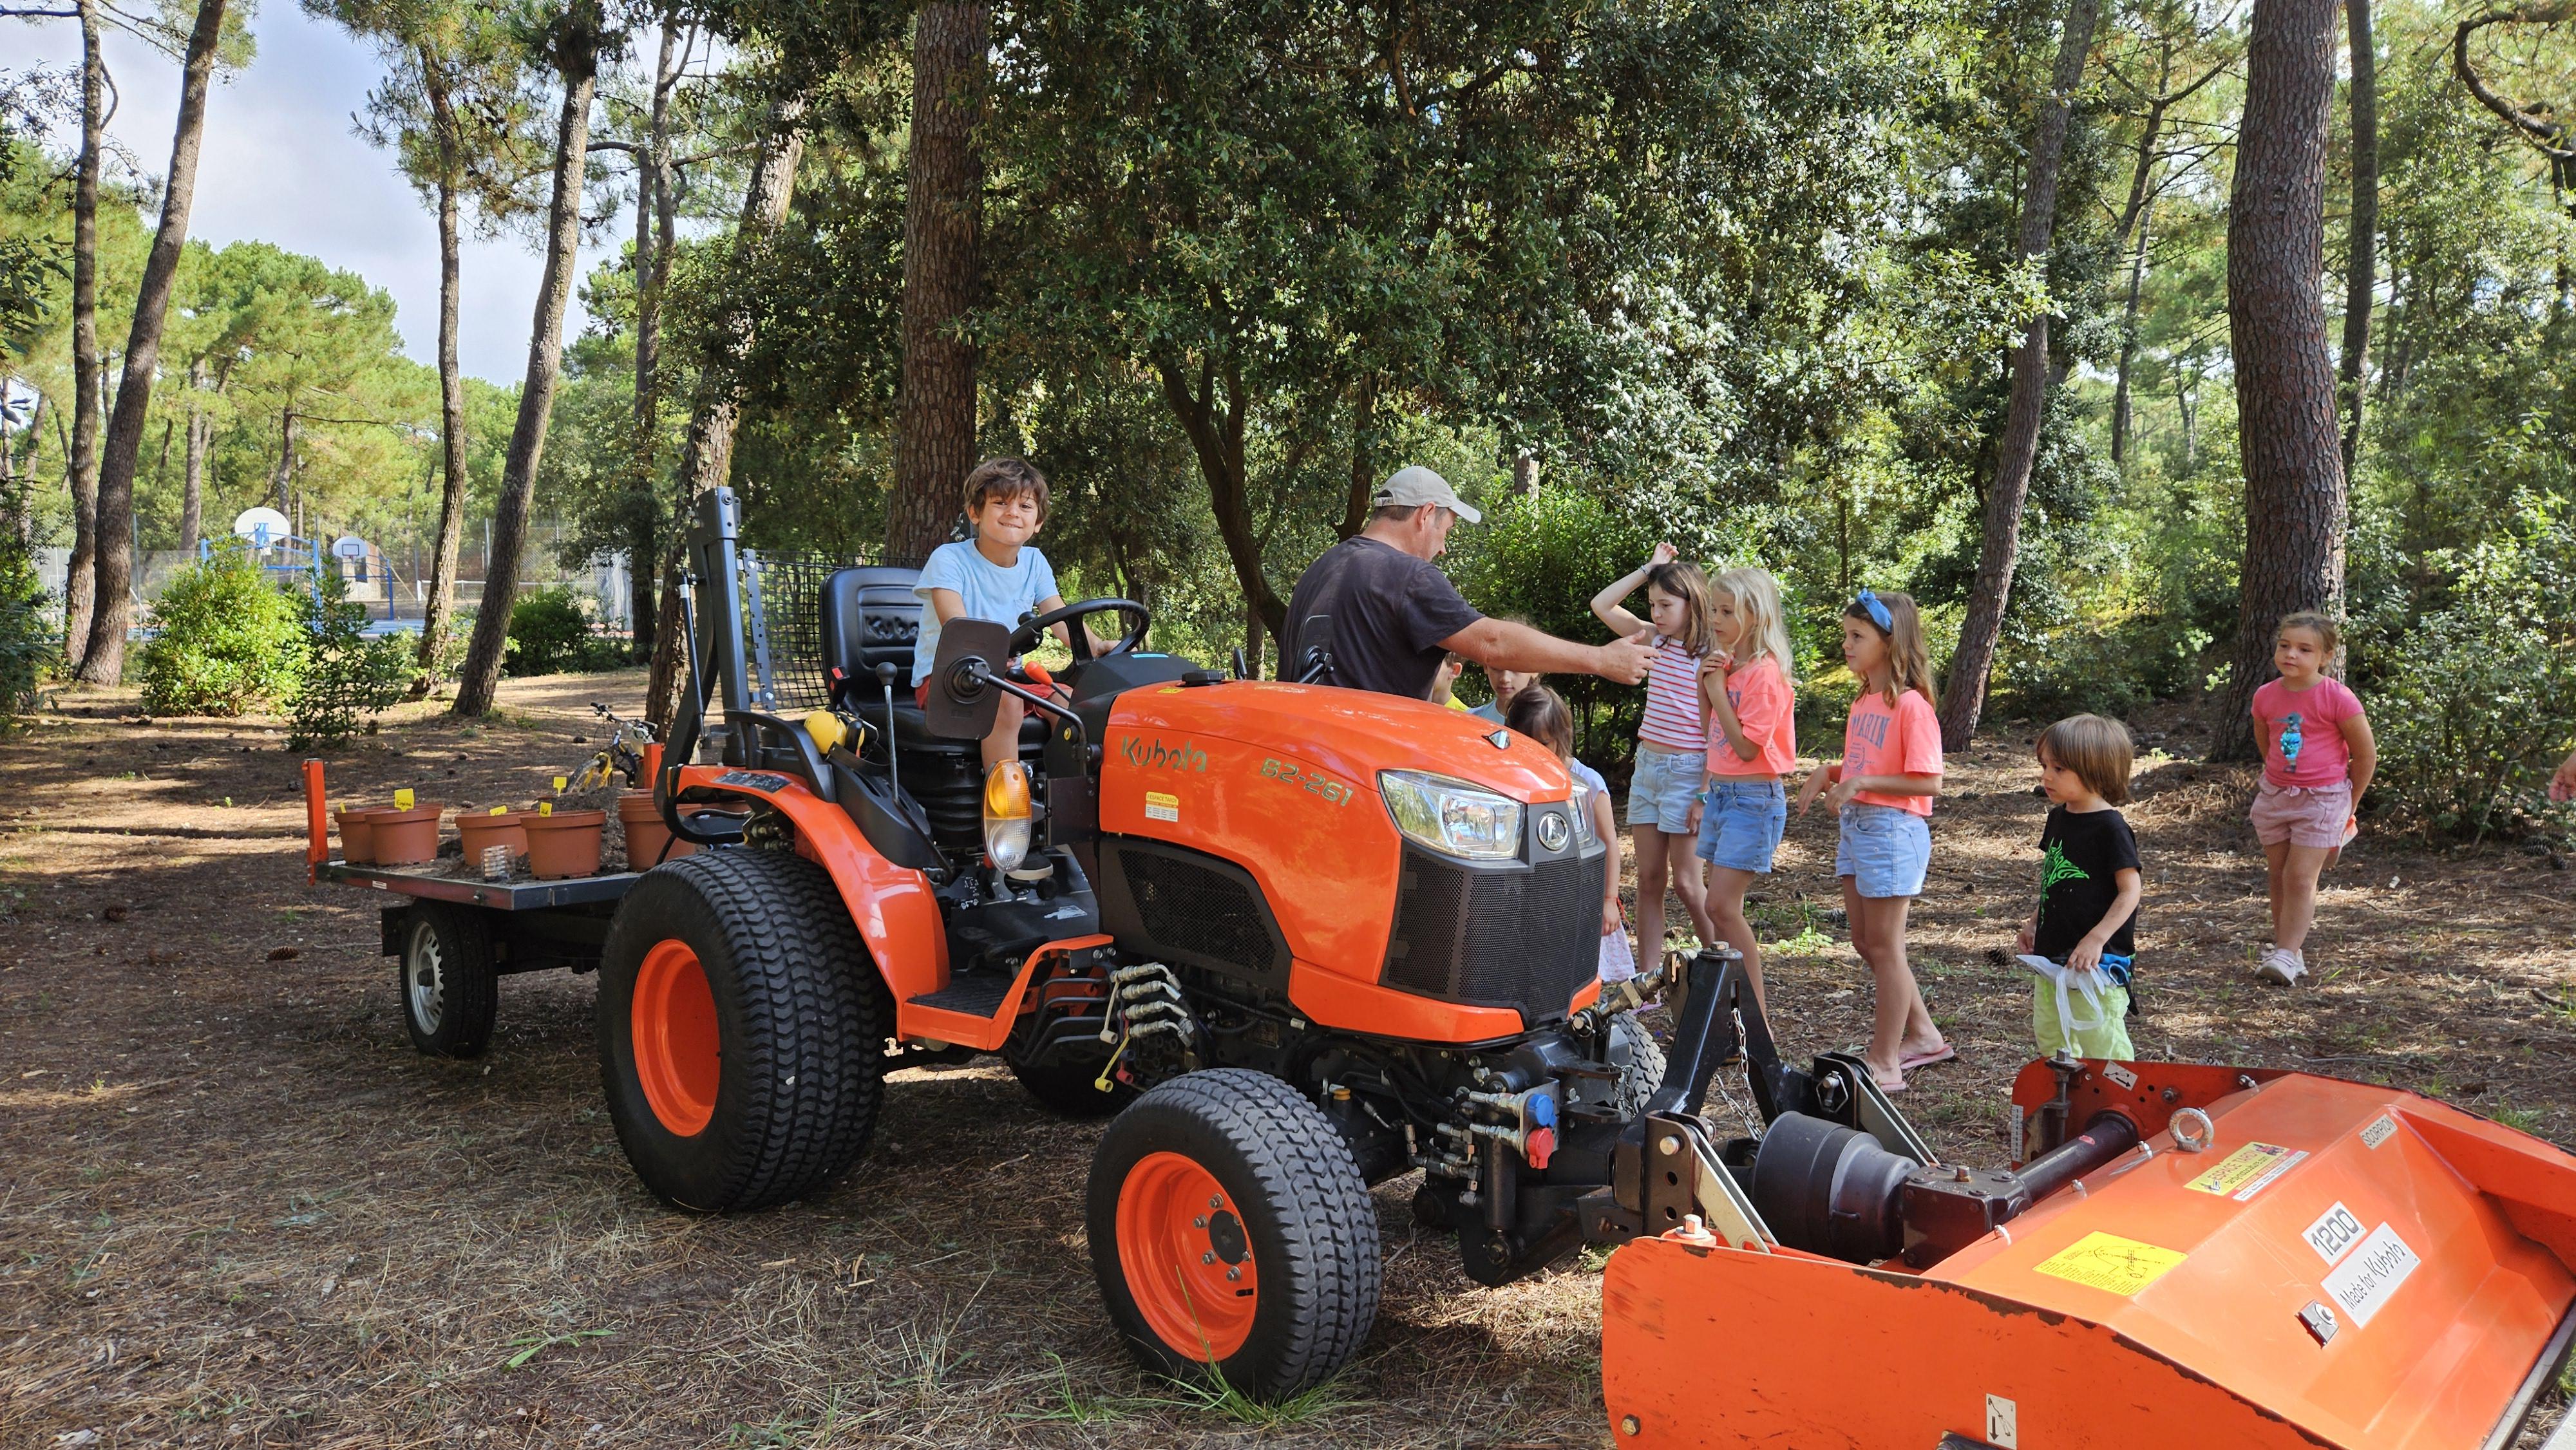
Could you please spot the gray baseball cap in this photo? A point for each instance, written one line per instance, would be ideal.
(1416, 486)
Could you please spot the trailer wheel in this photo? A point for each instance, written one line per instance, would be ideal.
(446, 981)
(1067, 1088)
(741, 1026)
(1232, 1234)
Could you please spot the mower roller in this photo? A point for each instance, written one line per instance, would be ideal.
(1302, 940)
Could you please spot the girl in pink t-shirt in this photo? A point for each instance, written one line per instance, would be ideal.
(1882, 791)
(1752, 743)
(2318, 755)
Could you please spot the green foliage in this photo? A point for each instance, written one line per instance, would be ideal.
(28, 644)
(346, 673)
(2474, 703)
(550, 633)
(225, 641)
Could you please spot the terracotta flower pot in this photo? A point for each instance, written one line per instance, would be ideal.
(358, 836)
(478, 830)
(648, 841)
(564, 844)
(406, 838)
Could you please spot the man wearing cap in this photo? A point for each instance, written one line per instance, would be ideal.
(1392, 614)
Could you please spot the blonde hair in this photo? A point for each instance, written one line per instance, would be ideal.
(2329, 634)
(1540, 713)
(1909, 660)
(1688, 583)
(2096, 749)
(1756, 597)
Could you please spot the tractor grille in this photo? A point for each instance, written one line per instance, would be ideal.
(1524, 937)
(1187, 906)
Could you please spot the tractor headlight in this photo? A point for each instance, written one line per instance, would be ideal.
(1009, 823)
(1452, 816)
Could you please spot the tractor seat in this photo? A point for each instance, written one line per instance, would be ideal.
(872, 617)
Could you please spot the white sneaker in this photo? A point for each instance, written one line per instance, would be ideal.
(2281, 967)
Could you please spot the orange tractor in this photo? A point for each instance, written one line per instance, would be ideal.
(1303, 940)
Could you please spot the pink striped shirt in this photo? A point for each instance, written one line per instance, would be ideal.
(1676, 716)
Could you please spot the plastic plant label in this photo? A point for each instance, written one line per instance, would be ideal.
(402, 800)
(2248, 1171)
(561, 782)
(2110, 1263)
(2360, 1286)
(2333, 1234)
(1162, 806)
(498, 811)
(545, 808)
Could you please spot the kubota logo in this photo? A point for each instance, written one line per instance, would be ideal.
(1156, 755)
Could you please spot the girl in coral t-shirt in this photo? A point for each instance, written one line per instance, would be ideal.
(1882, 791)
(1752, 743)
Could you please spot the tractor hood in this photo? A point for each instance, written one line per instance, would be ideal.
(1349, 735)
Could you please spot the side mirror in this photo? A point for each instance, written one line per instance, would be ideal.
(962, 703)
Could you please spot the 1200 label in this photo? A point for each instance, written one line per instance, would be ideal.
(1323, 785)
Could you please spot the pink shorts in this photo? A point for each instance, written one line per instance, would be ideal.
(2301, 815)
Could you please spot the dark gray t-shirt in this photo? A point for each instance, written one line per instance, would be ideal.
(1390, 611)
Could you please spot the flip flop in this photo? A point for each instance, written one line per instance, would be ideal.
(1890, 1088)
(1911, 1061)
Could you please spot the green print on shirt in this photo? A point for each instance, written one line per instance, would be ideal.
(2054, 867)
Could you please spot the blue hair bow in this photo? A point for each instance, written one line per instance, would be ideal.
(1877, 612)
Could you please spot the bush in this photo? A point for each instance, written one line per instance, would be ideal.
(550, 634)
(346, 674)
(27, 642)
(2474, 703)
(227, 641)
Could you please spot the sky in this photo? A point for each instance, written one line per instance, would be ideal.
(282, 165)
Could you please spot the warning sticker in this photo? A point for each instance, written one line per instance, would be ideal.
(1160, 806)
(2365, 1279)
(2248, 1171)
(2110, 1263)
(2121, 1075)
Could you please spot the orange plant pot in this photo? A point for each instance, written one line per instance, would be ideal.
(478, 832)
(648, 841)
(358, 836)
(564, 844)
(405, 838)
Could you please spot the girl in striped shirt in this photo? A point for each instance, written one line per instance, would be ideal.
(1672, 741)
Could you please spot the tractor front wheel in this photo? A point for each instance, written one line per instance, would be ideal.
(741, 1030)
(1233, 1235)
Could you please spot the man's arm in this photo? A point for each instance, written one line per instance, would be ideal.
(1501, 644)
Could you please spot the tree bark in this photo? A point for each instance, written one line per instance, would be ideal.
(192, 492)
(1965, 700)
(2361, 268)
(1211, 413)
(103, 663)
(2295, 502)
(80, 592)
(942, 274)
(652, 265)
(706, 451)
(283, 478)
(455, 480)
(577, 61)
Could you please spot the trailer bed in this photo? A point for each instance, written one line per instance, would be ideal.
(497, 895)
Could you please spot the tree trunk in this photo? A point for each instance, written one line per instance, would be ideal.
(652, 265)
(1992, 591)
(103, 663)
(455, 480)
(1211, 414)
(192, 492)
(80, 592)
(577, 60)
(2121, 426)
(284, 478)
(2361, 269)
(2285, 384)
(1363, 475)
(706, 452)
(942, 273)
(1525, 474)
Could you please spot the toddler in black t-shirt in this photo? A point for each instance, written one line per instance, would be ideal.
(2081, 940)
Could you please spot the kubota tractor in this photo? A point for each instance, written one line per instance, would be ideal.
(1302, 940)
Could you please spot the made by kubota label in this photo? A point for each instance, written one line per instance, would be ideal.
(2248, 1171)
(2361, 1284)
(2110, 1263)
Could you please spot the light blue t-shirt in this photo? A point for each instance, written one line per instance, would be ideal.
(988, 590)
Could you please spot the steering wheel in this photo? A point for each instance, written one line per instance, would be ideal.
(1140, 619)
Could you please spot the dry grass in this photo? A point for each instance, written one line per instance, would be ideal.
(239, 1210)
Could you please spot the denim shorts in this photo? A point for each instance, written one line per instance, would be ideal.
(1884, 850)
(1664, 787)
(1741, 826)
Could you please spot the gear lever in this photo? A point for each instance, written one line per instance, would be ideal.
(885, 682)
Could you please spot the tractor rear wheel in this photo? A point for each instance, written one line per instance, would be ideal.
(1232, 1234)
(741, 1030)
(449, 986)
